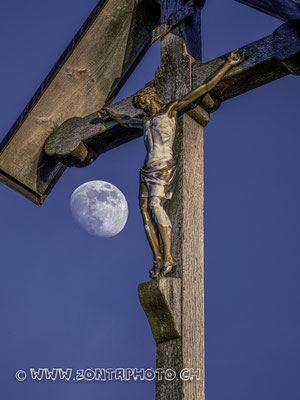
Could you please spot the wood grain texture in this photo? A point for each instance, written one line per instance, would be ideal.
(266, 60)
(91, 70)
(99, 132)
(161, 301)
(100, 135)
(169, 356)
(173, 20)
(191, 240)
(173, 81)
(282, 9)
(186, 212)
(173, 55)
(190, 29)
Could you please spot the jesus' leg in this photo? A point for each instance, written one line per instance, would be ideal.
(164, 226)
(152, 237)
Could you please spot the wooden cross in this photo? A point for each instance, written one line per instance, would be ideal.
(39, 146)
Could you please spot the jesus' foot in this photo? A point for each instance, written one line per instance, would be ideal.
(156, 270)
(168, 266)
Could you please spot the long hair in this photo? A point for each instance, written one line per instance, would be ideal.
(148, 92)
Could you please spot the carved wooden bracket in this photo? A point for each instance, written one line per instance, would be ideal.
(161, 301)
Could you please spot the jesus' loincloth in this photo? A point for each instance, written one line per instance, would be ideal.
(157, 175)
(158, 180)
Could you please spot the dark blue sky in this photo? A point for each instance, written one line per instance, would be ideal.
(68, 299)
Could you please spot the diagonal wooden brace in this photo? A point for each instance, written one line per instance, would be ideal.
(120, 29)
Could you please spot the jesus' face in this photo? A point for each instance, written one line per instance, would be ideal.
(151, 106)
(148, 100)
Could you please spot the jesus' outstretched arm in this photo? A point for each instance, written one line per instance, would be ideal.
(234, 58)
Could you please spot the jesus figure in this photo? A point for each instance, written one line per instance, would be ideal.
(158, 174)
(69, 143)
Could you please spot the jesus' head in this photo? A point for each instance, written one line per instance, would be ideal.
(148, 100)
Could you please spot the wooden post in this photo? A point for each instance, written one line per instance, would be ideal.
(175, 305)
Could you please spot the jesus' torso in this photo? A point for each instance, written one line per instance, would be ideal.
(159, 134)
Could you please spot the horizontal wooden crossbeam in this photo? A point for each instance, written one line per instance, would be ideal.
(283, 9)
(267, 59)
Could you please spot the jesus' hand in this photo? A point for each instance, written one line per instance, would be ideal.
(235, 57)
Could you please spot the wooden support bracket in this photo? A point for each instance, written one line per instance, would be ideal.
(161, 301)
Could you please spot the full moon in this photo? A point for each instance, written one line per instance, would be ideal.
(100, 208)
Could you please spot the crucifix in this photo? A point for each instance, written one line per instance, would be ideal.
(71, 120)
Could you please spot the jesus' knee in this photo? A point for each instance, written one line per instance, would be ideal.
(155, 204)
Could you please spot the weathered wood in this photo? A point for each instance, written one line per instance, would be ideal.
(282, 9)
(100, 132)
(93, 67)
(173, 81)
(186, 211)
(187, 246)
(173, 20)
(161, 301)
(190, 29)
(267, 59)
(191, 235)
(169, 356)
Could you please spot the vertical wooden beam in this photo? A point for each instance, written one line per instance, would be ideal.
(186, 212)
(188, 239)
(173, 80)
